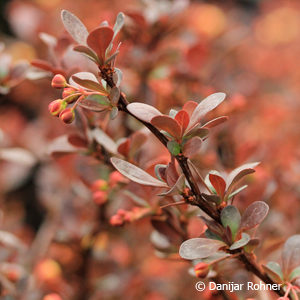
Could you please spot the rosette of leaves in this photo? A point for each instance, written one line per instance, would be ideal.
(289, 269)
(183, 128)
(168, 177)
(98, 44)
(223, 188)
(230, 235)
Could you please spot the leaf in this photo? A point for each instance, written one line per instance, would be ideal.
(183, 120)
(274, 271)
(231, 217)
(104, 140)
(95, 103)
(117, 77)
(90, 85)
(99, 40)
(114, 95)
(87, 51)
(212, 198)
(136, 199)
(238, 173)
(199, 248)
(295, 274)
(177, 188)
(237, 191)
(242, 242)
(205, 106)
(218, 183)
(75, 27)
(48, 39)
(10, 240)
(189, 107)
(18, 156)
(215, 122)
(254, 215)
(135, 174)
(167, 124)
(192, 147)
(252, 245)
(159, 240)
(173, 147)
(143, 111)
(291, 254)
(113, 113)
(119, 23)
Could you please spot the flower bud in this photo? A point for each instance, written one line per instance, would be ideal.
(201, 269)
(100, 197)
(52, 296)
(67, 115)
(115, 177)
(116, 220)
(68, 95)
(99, 184)
(58, 81)
(56, 106)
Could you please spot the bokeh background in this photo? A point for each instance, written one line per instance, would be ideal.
(172, 51)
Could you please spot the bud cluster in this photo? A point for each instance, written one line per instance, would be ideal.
(59, 107)
(100, 188)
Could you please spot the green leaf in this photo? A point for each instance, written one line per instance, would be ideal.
(237, 191)
(230, 216)
(295, 274)
(173, 147)
(274, 271)
(242, 242)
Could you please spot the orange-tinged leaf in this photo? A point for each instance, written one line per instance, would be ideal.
(99, 40)
(218, 183)
(183, 119)
(167, 124)
(189, 107)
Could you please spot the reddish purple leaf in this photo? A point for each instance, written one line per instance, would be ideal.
(183, 120)
(192, 147)
(205, 106)
(189, 107)
(99, 40)
(90, 85)
(87, 51)
(218, 183)
(167, 124)
(238, 173)
(215, 122)
(254, 215)
(143, 111)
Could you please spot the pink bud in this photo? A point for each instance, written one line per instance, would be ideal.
(116, 220)
(99, 184)
(67, 115)
(56, 106)
(52, 296)
(58, 81)
(115, 177)
(201, 269)
(100, 197)
(68, 95)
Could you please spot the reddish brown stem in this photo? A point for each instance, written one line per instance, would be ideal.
(210, 210)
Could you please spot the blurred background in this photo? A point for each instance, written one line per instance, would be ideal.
(172, 51)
